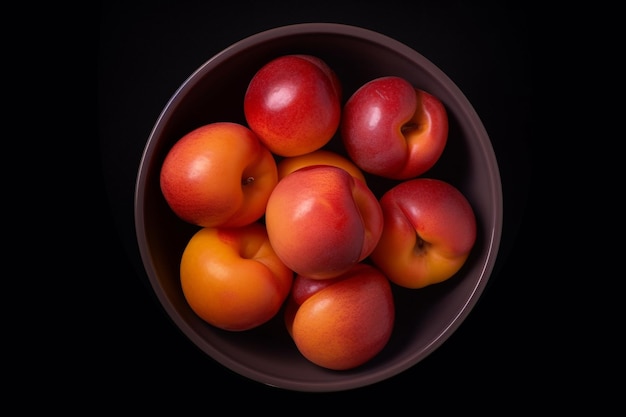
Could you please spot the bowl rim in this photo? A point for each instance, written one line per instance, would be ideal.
(492, 246)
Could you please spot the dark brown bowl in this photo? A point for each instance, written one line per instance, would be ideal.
(425, 318)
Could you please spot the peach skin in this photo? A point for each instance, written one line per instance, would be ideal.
(429, 231)
(219, 174)
(232, 278)
(321, 221)
(343, 322)
(293, 103)
(319, 157)
(391, 129)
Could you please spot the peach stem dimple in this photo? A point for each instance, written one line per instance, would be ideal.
(247, 181)
(409, 127)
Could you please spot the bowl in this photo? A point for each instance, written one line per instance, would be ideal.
(425, 318)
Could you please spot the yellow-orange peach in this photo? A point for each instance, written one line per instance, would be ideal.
(232, 278)
(319, 157)
(343, 322)
(219, 174)
(321, 221)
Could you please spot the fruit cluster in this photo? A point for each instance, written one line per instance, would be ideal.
(288, 226)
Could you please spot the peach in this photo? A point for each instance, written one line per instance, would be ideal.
(219, 174)
(232, 278)
(318, 157)
(429, 231)
(392, 129)
(321, 221)
(343, 322)
(293, 103)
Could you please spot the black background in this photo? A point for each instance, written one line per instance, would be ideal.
(147, 49)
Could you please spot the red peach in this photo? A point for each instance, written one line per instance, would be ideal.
(219, 174)
(429, 231)
(321, 221)
(293, 103)
(392, 129)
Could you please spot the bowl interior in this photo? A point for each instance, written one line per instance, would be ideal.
(425, 318)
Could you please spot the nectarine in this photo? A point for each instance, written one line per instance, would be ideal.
(293, 103)
(321, 221)
(429, 231)
(219, 174)
(392, 129)
(343, 322)
(318, 157)
(232, 278)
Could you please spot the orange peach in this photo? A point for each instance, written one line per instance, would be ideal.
(319, 157)
(219, 174)
(343, 322)
(321, 221)
(232, 278)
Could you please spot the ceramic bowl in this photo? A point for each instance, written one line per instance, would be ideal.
(425, 318)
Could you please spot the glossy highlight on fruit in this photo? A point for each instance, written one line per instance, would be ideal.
(392, 129)
(293, 103)
(321, 221)
(218, 174)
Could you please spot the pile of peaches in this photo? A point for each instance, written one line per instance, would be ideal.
(287, 226)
